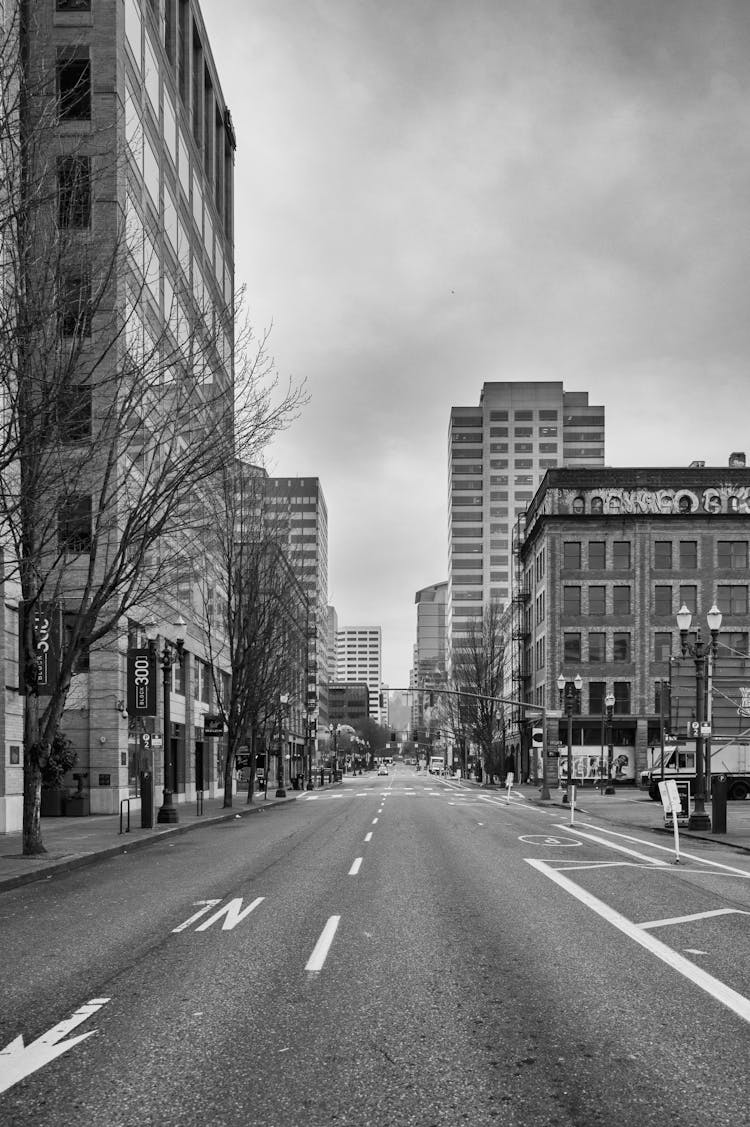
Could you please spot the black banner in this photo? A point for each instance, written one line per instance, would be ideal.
(47, 635)
(141, 697)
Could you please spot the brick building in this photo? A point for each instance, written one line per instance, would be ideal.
(604, 560)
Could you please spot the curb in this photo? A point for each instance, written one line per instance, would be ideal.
(80, 860)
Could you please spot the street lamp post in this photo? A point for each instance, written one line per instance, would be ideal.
(569, 692)
(171, 654)
(280, 791)
(609, 701)
(700, 652)
(334, 730)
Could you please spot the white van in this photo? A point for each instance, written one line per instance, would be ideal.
(436, 765)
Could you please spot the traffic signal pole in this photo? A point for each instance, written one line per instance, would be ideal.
(538, 710)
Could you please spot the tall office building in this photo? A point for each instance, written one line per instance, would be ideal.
(429, 652)
(133, 157)
(297, 510)
(359, 658)
(498, 453)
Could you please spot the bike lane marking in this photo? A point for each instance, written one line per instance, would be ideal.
(717, 989)
(655, 845)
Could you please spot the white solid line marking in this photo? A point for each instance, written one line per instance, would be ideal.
(356, 865)
(322, 947)
(713, 986)
(695, 916)
(669, 849)
(368, 837)
(612, 845)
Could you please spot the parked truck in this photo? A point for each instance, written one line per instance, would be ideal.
(726, 715)
(729, 758)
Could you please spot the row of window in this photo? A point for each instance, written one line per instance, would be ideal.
(731, 598)
(730, 554)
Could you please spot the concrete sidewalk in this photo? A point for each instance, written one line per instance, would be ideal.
(74, 842)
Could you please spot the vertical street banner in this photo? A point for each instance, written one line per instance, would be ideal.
(141, 682)
(46, 642)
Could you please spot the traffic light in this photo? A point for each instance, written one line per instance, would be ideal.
(432, 700)
(381, 698)
(393, 738)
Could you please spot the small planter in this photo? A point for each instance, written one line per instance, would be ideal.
(77, 806)
(53, 802)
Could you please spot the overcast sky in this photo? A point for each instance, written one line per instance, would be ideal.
(431, 194)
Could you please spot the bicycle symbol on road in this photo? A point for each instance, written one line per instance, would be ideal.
(544, 839)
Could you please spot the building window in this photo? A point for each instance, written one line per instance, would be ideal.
(571, 647)
(622, 697)
(621, 600)
(74, 191)
(597, 600)
(597, 693)
(74, 87)
(662, 645)
(737, 641)
(621, 646)
(597, 647)
(572, 600)
(732, 554)
(662, 600)
(72, 5)
(663, 554)
(621, 555)
(688, 555)
(74, 311)
(74, 414)
(597, 554)
(74, 523)
(572, 555)
(731, 599)
(689, 597)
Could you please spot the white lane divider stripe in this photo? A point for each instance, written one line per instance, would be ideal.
(719, 990)
(374, 822)
(356, 865)
(368, 837)
(322, 947)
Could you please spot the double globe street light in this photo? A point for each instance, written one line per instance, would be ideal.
(701, 652)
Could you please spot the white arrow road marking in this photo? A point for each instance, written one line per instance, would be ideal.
(17, 1061)
(234, 913)
(322, 947)
(209, 904)
(719, 990)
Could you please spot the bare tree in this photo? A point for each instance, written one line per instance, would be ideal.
(118, 421)
(259, 626)
(477, 671)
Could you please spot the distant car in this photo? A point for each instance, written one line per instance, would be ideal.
(382, 769)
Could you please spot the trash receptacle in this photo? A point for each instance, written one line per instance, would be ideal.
(147, 800)
(719, 790)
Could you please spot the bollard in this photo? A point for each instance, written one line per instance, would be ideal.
(199, 803)
(719, 789)
(125, 802)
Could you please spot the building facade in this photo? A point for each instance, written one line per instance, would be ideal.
(359, 658)
(430, 649)
(606, 558)
(140, 162)
(498, 453)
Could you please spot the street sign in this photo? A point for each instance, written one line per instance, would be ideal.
(156, 742)
(554, 714)
(213, 726)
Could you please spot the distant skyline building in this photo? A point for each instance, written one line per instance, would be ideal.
(359, 657)
(498, 454)
(430, 648)
(296, 507)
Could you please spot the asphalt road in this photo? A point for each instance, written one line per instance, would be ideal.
(396, 951)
